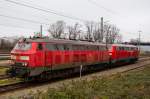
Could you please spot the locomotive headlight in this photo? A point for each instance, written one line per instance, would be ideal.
(13, 57)
(110, 53)
(24, 57)
(24, 64)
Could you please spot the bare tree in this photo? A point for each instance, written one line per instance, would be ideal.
(94, 32)
(119, 38)
(98, 34)
(114, 34)
(89, 30)
(57, 29)
(136, 40)
(111, 33)
(7, 44)
(74, 31)
(106, 32)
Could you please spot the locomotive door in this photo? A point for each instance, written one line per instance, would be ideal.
(49, 54)
(40, 57)
(48, 58)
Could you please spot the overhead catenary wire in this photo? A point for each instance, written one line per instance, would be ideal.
(16, 12)
(46, 10)
(12, 26)
(22, 19)
(4, 25)
(102, 7)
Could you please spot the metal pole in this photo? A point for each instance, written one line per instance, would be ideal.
(102, 27)
(139, 40)
(80, 71)
(41, 30)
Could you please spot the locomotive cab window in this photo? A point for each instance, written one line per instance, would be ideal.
(23, 46)
(40, 46)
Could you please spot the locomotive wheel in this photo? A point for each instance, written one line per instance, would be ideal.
(28, 79)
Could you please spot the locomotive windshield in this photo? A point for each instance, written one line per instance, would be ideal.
(23, 46)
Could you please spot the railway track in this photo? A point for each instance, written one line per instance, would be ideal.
(21, 85)
(12, 87)
(4, 77)
(4, 54)
(144, 59)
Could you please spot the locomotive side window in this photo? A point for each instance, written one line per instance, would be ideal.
(97, 48)
(126, 48)
(78, 47)
(82, 47)
(101, 48)
(118, 48)
(88, 47)
(68, 47)
(40, 46)
(93, 48)
(50, 46)
(104, 47)
(136, 48)
(60, 47)
(75, 47)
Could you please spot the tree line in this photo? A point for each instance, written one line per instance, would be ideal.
(6, 44)
(90, 31)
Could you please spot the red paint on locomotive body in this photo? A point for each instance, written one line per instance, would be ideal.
(58, 54)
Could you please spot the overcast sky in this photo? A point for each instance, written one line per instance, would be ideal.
(130, 16)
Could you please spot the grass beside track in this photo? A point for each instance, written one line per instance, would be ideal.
(10, 81)
(7, 80)
(4, 58)
(3, 70)
(130, 85)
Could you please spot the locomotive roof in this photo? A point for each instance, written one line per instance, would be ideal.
(61, 41)
(123, 45)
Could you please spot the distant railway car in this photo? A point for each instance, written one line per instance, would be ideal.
(123, 53)
(37, 57)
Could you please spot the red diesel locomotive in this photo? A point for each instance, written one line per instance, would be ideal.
(33, 57)
(120, 53)
(39, 57)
